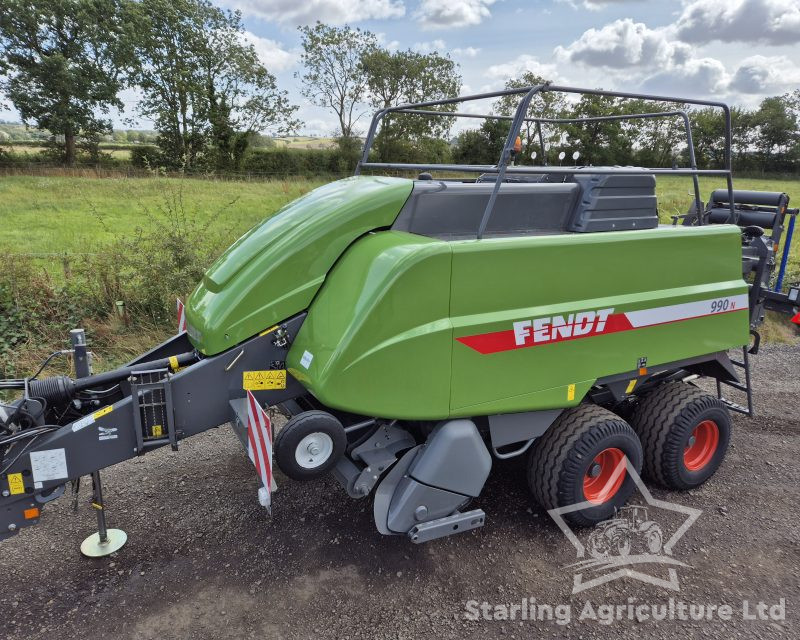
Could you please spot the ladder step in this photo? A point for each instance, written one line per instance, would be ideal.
(736, 363)
(735, 385)
(736, 407)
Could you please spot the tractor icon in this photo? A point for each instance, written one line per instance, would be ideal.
(630, 531)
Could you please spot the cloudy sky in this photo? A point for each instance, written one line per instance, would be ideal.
(736, 50)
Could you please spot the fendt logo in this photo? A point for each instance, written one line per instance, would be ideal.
(555, 328)
(586, 324)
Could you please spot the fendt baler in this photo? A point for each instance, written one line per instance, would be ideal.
(414, 330)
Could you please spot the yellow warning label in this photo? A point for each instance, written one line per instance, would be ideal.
(15, 484)
(266, 331)
(631, 385)
(264, 380)
(104, 411)
(157, 430)
(571, 392)
(173, 363)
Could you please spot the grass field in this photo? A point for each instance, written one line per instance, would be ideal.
(25, 150)
(305, 142)
(47, 216)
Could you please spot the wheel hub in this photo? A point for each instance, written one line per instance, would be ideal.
(604, 476)
(701, 445)
(314, 450)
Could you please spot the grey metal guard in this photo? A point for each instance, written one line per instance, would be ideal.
(519, 117)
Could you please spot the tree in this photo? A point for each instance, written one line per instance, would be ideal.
(204, 86)
(406, 77)
(777, 126)
(547, 104)
(64, 62)
(483, 145)
(334, 77)
(605, 142)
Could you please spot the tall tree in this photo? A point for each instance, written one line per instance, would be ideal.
(334, 77)
(406, 77)
(547, 104)
(204, 86)
(64, 63)
(776, 124)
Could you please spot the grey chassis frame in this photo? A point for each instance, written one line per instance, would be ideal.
(520, 116)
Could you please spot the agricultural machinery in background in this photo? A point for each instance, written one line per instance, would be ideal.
(413, 331)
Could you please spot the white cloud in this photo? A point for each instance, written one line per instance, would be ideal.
(699, 76)
(329, 11)
(443, 14)
(466, 52)
(763, 21)
(593, 5)
(271, 53)
(763, 74)
(426, 47)
(624, 43)
(659, 61)
(520, 65)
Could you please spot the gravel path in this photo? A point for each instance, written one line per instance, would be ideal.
(204, 561)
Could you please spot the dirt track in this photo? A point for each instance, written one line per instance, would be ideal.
(204, 561)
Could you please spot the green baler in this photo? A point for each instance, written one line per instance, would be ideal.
(414, 330)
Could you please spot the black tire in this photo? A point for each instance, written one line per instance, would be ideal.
(665, 420)
(560, 460)
(299, 427)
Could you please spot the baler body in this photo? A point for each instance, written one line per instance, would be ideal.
(406, 325)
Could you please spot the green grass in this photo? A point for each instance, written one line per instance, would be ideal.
(50, 216)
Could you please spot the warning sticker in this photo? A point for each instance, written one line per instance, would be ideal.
(104, 411)
(50, 464)
(570, 393)
(87, 420)
(264, 380)
(15, 484)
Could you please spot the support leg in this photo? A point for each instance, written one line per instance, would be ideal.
(105, 541)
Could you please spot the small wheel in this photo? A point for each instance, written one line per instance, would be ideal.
(685, 433)
(581, 458)
(309, 445)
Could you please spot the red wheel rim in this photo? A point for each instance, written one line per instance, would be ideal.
(701, 446)
(604, 476)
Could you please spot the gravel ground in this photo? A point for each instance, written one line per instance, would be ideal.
(204, 561)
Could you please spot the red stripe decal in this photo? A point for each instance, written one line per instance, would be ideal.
(543, 331)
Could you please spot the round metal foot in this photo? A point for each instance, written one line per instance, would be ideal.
(93, 548)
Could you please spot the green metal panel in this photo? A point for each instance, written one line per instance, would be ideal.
(496, 282)
(274, 270)
(377, 339)
(381, 337)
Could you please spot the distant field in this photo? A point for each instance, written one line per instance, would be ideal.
(119, 154)
(48, 217)
(304, 142)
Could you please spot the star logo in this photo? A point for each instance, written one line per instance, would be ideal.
(631, 539)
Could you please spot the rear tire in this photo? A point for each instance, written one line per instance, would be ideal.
(574, 461)
(685, 434)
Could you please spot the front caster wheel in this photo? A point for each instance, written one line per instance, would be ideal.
(582, 459)
(309, 445)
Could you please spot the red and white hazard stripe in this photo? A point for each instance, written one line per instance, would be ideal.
(259, 447)
(577, 325)
(181, 317)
